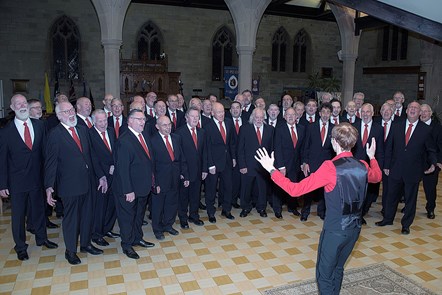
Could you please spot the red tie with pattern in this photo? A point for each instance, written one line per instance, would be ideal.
(195, 141)
(174, 119)
(294, 137)
(408, 134)
(258, 135)
(28, 139)
(117, 127)
(169, 148)
(237, 126)
(143, 144)
(365, 136)
(106, 143)
(323, 133)
(222, 131)
(89, 124)
(385, 130)
(76, 139)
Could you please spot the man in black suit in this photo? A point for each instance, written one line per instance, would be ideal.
(221, 161)
(84, 109)
(151, 99)
(68, 168)
(52, 119)
(335, 117)
(117, 121)
(21, 152)
(310, 115)
(133, 182)
(299, 110)
(236, 112)
(170, 171)
(175, 116)
(405, 164)
(273, 118)
(248, 107)
(367, 130)
(203, 120)
(430, 180)
(350, 114)
(107, 104)
(252, 136)
(317, 149)
(286, 102)
(103, 146)
(289, 140)
(399, 100)
(193, 145)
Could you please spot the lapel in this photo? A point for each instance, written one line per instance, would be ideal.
(14, 132)
(138, 146)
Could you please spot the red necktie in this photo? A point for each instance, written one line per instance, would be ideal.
(237, 125)
(258, 134)
(365, 136)
(323, 133)
(28, 139)
(195, 141)
(408, 134)
(198, 125)
(117, 127)
(271, 123)
(169, 148)
(335, 121)
(143, 144)
(294, 138)
(350, 120)
(76, 139)
(109, 114)
(89, 124)
(385, 130)
(174, 119)
(310, 119)
(106, 143)
(223, 132)
(358, 114)
(397, 113)
(150, 112)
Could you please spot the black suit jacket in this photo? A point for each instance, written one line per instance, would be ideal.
(167, 172)
(314, 153)
(303, 120)
(285, 154)
(408, 162)
(102, 158)
(134, 171)
(21, 167)
(376, 132)
(66, 167)
(204, 121)
(197, 158)
(221, 154)
(123, 125)
(81, 122)
(246, 114)
(180, 120)
(248, 144)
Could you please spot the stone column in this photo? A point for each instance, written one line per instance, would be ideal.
(349, 52)
(111, 15)
(246, 16)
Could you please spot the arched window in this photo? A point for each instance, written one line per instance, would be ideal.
(149, 42)
(65, 39)
(394, 43)
(222, 52)
(300, 50)
(279, 50)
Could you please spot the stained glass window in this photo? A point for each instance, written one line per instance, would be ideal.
(279, 50)
(149, 42)
(222, 52)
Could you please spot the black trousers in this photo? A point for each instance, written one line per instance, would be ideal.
(395, 189)
(19, 206)
(308, 199)
(225, 177)
(189, 200)
(164, 210)
(247, 184)
(104, 214)
(430, 184)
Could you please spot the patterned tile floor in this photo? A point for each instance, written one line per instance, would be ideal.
(242, 256)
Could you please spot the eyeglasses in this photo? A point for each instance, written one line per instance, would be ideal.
(67, 112)
(139, 119)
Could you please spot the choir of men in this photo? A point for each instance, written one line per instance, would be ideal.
(105, 167)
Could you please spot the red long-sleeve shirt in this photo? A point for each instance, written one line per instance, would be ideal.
(325, 177)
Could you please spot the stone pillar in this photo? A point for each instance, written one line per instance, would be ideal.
(349, 52)
(111, 15)
(246, 16)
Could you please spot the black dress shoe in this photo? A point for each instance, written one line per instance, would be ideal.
(48, 244)
(112, 235)
(172, 231)
(131, 253)
(227, 215)
(363, 221)
(244, 213)
(50, 224)
(212, 219)
(383, 223)
(202, 206)
(144, 244)
(304, 218)
(91, 250)
(236, 205)
(198, 222)
(22, 255)
(184, 224)
(430, 215)
(405, 231)
(262, 213)
(72, 257)
(278, 215)
(145, 222)
(159, 237)
(296, 212)
(100, 242)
